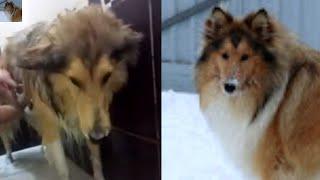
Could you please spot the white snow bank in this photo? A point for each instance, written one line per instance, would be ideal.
(189, 150)
(4, 17)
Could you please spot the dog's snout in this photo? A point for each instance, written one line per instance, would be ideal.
(99, 131)
(230, 86)
(101, 126)
(98, 134)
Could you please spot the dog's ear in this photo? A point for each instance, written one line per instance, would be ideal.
(218, 20)
(260, 24)
(128, 49)
(8, 4)
(44, 56)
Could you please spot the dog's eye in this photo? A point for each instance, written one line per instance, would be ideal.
(75, 82)
(225, 56)
(244, 57)
(105, 78)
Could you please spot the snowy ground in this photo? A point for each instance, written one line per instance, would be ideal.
(3, 17)
(189, 150)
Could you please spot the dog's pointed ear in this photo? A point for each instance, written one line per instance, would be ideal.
(260, 24)
(44, 56)
(218, 20)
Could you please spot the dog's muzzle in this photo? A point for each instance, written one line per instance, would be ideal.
(97, 134)
(231, 85)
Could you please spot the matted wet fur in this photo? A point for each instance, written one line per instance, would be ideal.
(70, 69)
(260, 91)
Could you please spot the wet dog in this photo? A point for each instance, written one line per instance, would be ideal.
(70, 69)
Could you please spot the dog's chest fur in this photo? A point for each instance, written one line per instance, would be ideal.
(238, 133)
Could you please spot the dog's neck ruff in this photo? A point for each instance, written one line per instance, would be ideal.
(14, 11)
(233, 123)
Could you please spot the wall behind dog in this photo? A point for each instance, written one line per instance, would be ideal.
(182, 22)
(37, 10)
(182, 25)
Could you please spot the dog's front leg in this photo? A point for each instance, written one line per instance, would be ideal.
(45, 121)
(95, 160)
(56, 156)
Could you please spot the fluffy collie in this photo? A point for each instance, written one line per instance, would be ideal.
(70, 70)
(14, 12)
(260, 92)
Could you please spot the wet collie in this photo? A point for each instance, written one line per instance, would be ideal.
(70, 69)
(260, 91)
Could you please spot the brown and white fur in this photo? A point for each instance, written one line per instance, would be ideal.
(70, 70)
(259, 90)
(14, 12)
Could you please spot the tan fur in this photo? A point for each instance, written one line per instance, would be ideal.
(291, 142)
(282, 144)
(70, 70)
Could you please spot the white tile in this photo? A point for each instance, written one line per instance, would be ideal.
(30, 164)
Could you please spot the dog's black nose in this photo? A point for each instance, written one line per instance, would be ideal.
(229, 87)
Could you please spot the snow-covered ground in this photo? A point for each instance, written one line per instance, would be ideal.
(4, 17)
(189, 149)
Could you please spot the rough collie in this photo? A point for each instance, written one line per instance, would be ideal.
(70, 70)
(14, 12)
(260, 92)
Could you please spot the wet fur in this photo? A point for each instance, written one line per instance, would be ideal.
(271, 127)
(70, 69)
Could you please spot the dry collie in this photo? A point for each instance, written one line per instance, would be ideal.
(260, 92)
(14, 12)
(70, 69)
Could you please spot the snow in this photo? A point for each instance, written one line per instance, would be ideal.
(190, 151)
(3, 17)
